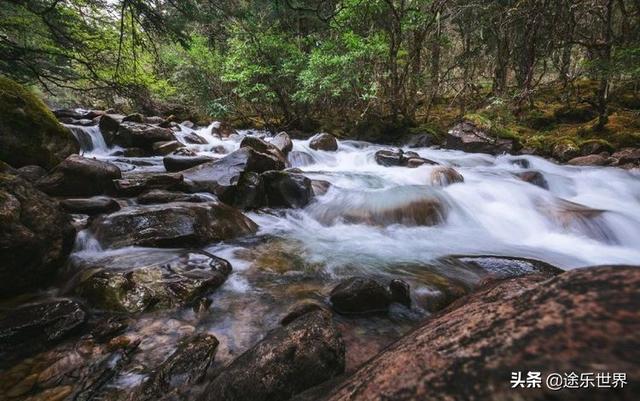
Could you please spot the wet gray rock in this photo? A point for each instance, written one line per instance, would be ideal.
(131, 134)
(265, 148)
(174, 163)
(134, 118)
(165, 147)
(291, 359)
(288, 190)
(35, 238)
(32, 327)
(31, 173)
(109, 125)
(400, 292)
(80, 176)
(147, 280)
(249, 193)
(187, 366)
(171, 225)
(468, 137)
(360, 295)
(301, 308)
(155, 196)
(135, 184)
(323, 141)
(283, 142)
(90, 206)
(399, 158)
(222, 175)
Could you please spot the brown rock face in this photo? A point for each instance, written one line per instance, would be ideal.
(324, 141)
(468, 137)
(585, 320)
(291, 359)
(35, 236)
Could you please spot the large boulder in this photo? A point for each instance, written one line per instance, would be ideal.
(29, 132)
(32, 327)
(146, 280)
(292, 358)
(222, 175)
(35, 238)
(264, 147)
(284, 189)
(131, 134)
(323, 141)
(585, 320)
(468, 137)
(249, 193)
(171, 225)
(80, 176)
(109, 125)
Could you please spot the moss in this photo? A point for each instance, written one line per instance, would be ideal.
(574, 114)
(29, 132)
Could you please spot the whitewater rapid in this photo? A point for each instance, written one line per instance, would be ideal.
(493, 212)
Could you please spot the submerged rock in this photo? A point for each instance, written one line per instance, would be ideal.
(323, 141)
(360, 295)
(80, 176)
(187, 366)
(443, 176)
(300, 159)
(407, 205)
(32, 327)
(35, 238)
(301, 308)
(535, 178)
(29, 132)
(320, 187)
(171, 225)
(573, 216)
(516, 325)
(90, 206)
(291, 359)
(151, 279)
(468, 137)
(285, 189)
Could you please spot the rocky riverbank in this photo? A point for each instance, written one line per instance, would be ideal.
(168, 261)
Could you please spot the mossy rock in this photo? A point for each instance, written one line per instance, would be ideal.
(29, 132)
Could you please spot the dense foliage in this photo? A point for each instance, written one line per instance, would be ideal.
(298, 63)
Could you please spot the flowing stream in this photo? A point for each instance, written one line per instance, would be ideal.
(587, 216)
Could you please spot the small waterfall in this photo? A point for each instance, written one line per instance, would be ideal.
(90, 139)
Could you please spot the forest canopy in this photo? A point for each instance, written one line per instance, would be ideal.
(295, 63)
